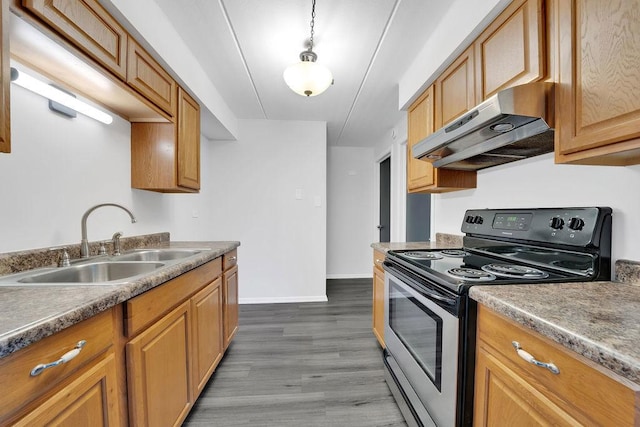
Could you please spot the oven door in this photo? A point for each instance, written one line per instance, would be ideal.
(422, 339)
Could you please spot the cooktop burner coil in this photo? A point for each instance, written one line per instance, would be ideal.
(423, 255)
(514, 271)
(471, 274)
(454, 253)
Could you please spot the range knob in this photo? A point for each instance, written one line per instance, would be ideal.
(556, 223)
(469, 219)
(576, 224)
(477, 220)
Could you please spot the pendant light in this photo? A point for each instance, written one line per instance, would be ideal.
(307, 77)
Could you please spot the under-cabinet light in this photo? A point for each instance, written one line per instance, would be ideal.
(50, 92)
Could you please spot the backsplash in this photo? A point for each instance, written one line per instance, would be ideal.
(15, 262)
(627, 271)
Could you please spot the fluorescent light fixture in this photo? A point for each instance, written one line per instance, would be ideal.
(50, 92)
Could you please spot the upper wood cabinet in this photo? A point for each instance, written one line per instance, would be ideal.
(511, 50)
(89, 26)
(150, 79)
(419, 172)
(5, 74)
(455, 90)
(598, 95)
(165, 157)
(188, 141)
(422, 177)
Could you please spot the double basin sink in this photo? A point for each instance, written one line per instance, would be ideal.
(104, 270)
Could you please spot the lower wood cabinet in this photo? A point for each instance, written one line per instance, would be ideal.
(82, 391)
(90, 399)
(206, 310)
(378, 297)
(158, 368)
(230, 293)
(173, 349)
(511, 391)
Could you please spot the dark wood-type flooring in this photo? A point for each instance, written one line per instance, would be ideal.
(307, 364)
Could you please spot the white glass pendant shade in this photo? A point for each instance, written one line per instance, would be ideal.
(308, 78)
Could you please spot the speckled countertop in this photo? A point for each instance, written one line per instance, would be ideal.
(443, 241)
(31, 312)
(598, 320)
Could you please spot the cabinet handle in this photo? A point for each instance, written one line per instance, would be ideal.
(379, 261)
(233, 258)
(69, 355)
(529, 358)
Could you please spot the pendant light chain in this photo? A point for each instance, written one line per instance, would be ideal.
(313, 19)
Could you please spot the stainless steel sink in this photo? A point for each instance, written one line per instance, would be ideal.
(95, 272)
(157, 254)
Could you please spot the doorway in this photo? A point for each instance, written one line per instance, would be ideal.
(418, 217)
(384, 226)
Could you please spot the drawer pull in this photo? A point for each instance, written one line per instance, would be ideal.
(379, 261)
(69, 355)
(529, 358)
(233, 258)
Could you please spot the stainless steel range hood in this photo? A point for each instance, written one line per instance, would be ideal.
(513, 124)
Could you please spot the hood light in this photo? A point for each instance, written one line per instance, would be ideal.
(502, 127)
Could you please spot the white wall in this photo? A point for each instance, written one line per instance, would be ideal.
(351, 213)
(60, 167)
(538, 182)
(463, 22)
(283, 252)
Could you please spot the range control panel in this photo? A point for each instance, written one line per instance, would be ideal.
(566, 226)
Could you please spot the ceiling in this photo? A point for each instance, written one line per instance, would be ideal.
(245, 45)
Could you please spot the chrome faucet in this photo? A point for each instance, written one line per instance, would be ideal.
(84, 243)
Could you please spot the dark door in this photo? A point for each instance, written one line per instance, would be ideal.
(385, 200)
(418, 217)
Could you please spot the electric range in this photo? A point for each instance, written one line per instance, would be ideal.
(429, 319)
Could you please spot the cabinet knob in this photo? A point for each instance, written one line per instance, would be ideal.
(69, 355)
(529, 358)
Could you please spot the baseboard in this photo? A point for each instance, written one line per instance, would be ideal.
(350, 276)
(282, 300)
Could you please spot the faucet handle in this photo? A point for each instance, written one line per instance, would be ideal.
(102, 250)
(64, 260)
(116, 242)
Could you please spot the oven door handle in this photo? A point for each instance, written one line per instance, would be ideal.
(425, 291)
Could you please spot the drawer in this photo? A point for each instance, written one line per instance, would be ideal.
(229, 259)
(144, 309)
(587, 391)
(378, 258)
(98, 332)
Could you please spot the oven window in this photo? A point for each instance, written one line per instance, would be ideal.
(419, 329)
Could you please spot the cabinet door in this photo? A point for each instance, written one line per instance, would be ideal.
(504, 398)
(89, 26)
(598, 104)
(455, 89)
(159, 371)
(230, 281)
(150, 79)
(188, 141)
(378, 305)
(91, 399)
(206, 308)
(5, 115)
(420, 125)
(511, 50)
